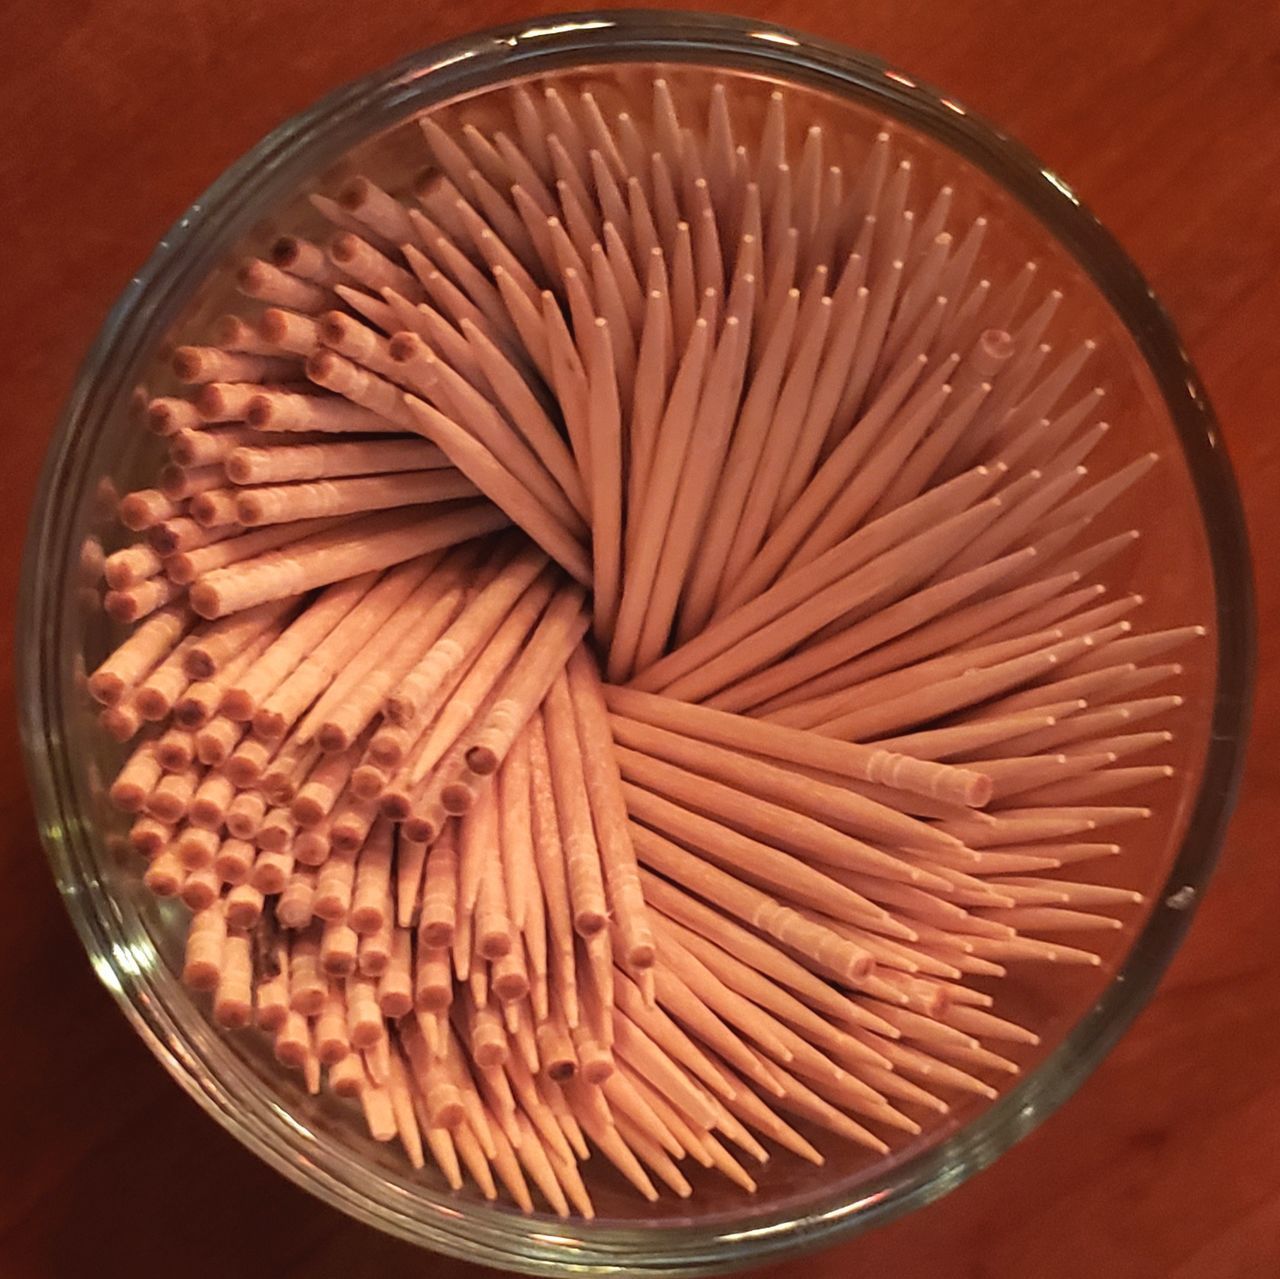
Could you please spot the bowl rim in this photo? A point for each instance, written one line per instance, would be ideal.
(197, 241)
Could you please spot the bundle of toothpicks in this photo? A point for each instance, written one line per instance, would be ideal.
(615, 660)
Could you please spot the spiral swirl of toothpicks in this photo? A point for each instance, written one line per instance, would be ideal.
(615, 654)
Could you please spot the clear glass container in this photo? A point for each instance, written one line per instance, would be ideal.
(1191, 564)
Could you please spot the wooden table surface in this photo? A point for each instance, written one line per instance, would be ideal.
(1164, 114)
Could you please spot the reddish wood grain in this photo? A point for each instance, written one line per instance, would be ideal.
(1164, 115)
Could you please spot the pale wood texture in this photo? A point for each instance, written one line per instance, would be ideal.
(1165, 116)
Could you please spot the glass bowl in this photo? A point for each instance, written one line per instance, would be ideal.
(1191, 565)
